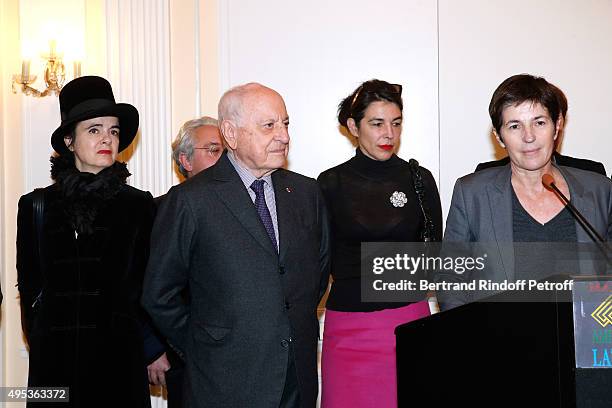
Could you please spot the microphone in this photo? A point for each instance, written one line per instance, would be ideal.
(549, 183)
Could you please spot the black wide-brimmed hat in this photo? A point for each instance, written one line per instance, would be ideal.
(92, 97)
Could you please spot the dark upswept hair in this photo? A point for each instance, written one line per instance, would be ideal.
(374, 90)
(524, 87)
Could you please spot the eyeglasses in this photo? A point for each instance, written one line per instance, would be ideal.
(369, 87)
(213, 150)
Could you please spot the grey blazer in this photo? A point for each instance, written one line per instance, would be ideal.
(248, 304)
(481, 211)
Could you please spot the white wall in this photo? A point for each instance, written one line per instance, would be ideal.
(138, 66)
(315, 53)
(484, 42)
(448, 55)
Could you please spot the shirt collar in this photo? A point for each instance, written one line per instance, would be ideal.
(245, 174)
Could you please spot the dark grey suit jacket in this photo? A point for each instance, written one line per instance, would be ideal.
(481, 211)
(248, 303)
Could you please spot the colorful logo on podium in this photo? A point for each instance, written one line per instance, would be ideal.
(603, 313)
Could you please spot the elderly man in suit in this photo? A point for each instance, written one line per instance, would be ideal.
(250, 242)
(507, 204)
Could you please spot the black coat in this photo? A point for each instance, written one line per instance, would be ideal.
(85, 330)
(247, 302)
(561, 160)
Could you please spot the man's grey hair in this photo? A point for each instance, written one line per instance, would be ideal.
(183, 144)
(230, 104)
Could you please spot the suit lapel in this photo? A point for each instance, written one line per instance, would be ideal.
(500, 202)
(231, 191)
(285, 204)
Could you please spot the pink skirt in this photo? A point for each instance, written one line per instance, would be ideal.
(358, 367)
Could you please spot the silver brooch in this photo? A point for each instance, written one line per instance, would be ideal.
(398, 199)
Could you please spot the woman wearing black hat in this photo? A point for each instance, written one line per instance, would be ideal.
(82, 247)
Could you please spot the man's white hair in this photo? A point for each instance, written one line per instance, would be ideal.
(230, 104)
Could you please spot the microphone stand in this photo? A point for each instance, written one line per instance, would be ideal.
(549, 182)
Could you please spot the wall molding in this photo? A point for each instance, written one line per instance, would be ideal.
(138, 67)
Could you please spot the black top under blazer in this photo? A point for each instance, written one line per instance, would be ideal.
(481, 211)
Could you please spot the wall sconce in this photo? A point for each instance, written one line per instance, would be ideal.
(55, 73)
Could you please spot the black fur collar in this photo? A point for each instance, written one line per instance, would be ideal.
(82, 194)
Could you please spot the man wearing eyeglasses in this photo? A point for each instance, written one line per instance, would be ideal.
(197, 146)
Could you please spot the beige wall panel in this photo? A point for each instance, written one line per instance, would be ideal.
(183, 54)
(13, 360)
(484, 42)
(209, 56)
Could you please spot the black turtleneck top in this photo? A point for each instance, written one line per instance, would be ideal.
(357, 194)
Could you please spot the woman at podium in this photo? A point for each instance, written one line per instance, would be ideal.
(523, 201)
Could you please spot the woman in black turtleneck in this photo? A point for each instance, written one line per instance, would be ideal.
(370, 198)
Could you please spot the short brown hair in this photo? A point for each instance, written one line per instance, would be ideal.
(524, 87)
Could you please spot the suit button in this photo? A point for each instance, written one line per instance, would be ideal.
(284, 343)
(281, 270)
(287, 305)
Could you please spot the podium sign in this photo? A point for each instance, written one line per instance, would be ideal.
(592, 302)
